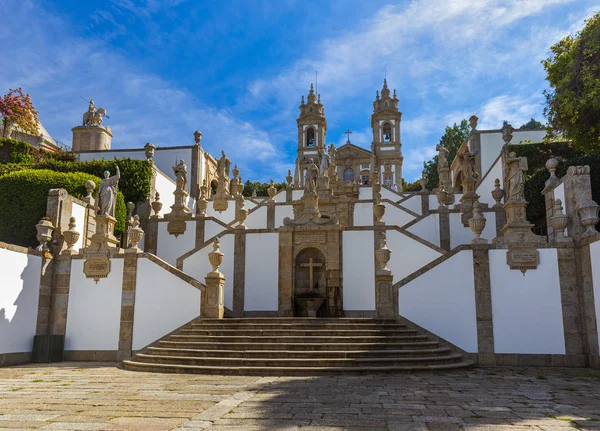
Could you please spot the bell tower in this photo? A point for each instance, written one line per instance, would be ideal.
(387, 145)
(312, 127)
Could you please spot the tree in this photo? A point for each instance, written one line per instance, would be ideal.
(573, 102)
(452, 140)
(16, 109)
(532, 125)
(260, 188)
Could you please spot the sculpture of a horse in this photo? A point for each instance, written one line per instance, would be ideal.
(94, 118)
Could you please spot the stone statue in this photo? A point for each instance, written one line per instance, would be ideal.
(332, 153)
(442, 156)
(324, 160)
(517, 166)
(467, 165)
(312, 175)
(107, 193)
(93, 116)
(223, 166)
(180, 171)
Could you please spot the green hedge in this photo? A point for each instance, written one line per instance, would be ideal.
(538, 153)
(136, 175)
(23, 198)
(19, 152)
(534, 184)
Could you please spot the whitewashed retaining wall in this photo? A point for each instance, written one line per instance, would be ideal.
(413, 203)
(527, 312)
(459, 234)
(258, 219)
(408, 255)
(281, 212)
(169, 247)
(94, 310)
(358, 270)
(365, 193)
(492, 143)
(78, 211)
(485, 188)
(394, 216)
(19, 295)
(446, 308)
(363, 214)
(261, 291)
(197, 265)
(211, 229)
(165, 186)
(428, 229)
(226, 216)
(163, 303)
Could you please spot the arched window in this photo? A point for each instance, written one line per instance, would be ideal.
(387, 132)
(310, 137)
(348, 175)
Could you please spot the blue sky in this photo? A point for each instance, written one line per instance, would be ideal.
(236, 70)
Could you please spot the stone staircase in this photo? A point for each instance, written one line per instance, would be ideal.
(295, 346)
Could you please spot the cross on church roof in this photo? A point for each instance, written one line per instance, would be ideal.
(348, 132)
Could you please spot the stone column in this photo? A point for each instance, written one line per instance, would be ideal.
(212, 297)
(483, 304)
(60, 295)
(444, 215)
(127, 306)
(151, 241)
(200, 228)
(587, 307)
(386, 296)
(424, 202)
(286, 270)
(45, 296)
(271, 214)
(239, 272)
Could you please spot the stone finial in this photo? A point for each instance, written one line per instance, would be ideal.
(588, 213)
(241, 213)
(507, 133)
(71, 237)
(378, 209)
(156, 205)
(442, 195)
(272, 191)
(551, 166)
(149, 149)
(44, 233)
(235, 171)
(497, 193)
(383, 255)
(473, 122)
(89, 189)
(215, 257)
(477, 224)
(130, 207)
(559, 221)
(423, 182)
(254, 195)
(197, 137)
(289, 179)
(135, 234)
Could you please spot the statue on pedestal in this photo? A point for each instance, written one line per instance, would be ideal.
(517, 166)
(442, 156)
(180, 171)
(467, 165)
(107, 193)
(312, 176)
(223, 166)
(93, 116)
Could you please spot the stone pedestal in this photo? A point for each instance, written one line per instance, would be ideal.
(104, 238)
(212, 298)
(386, 297)
(179, 214)
(517, 229)
(466, 201)
(91, 138)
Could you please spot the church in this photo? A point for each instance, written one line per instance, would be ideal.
(338, 272)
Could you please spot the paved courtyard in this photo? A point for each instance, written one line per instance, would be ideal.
(84, 396)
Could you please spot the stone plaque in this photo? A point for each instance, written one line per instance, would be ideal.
(96, 267)
(523, 258)
(318, 238)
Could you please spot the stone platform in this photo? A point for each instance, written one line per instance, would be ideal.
(296, 346)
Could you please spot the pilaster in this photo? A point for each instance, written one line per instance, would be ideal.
(483, 305)
(212, 301)
(587, 308)
(127, 306)
(286, 269)
(424, 203)
(444, 215)
(60, 295)
(45, 297)
(200, 228)
(271, 214)
(239, 272)
(151, 233)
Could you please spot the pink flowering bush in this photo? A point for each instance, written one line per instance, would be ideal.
(16, 109)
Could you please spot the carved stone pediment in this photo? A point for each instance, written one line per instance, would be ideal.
(350, 151)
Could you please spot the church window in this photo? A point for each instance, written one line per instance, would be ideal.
(348, 175)
(310, 137)
(387, 132)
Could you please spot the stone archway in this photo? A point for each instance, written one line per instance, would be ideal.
(310, 283)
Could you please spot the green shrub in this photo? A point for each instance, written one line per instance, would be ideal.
(538, 153)
(20, 152)
(23, 198)
(136, 175)
(7, 168)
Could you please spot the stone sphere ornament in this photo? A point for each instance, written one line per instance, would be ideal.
(89, 188)
(551, 165)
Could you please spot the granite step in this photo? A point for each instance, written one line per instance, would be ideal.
(297, 346)
(298, 332)
(299, 338)
(168, 351)
(299, 325)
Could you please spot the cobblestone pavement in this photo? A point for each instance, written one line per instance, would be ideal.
(84, 396)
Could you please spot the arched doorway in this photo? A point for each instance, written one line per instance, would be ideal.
(348, 175)
(310, 283)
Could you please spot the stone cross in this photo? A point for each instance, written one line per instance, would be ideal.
(311, 265)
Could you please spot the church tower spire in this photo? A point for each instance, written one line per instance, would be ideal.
(312, 127)
(387, 145)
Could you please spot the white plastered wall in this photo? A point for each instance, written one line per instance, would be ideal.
(485, 188)
(363, 214)
(413, 203)
(526, 309)
(19, 295)
(387, 194)
(169, 247)
(446, 308)
(365, 193)
(163, 303)
(94, 310)
(211, 229)
(165, 186)
(395, 216)
(297, 194)
(78, 211)
(595, 259)
(358, 270)
(428, 228)
(226, 216)
(197, 265)
(258, 219)
(261, 291)
(408, 255)
(459, 234)
(559, 193)
(492, 143)
(281, 212)
(280, 197)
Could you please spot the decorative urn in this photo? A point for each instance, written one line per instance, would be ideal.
(44, 233)
(477, 223)
(442, 196)
(241, 214)
(423, 182)
(272, 191)
(559, 220)
(215, 257)
(135, 233)
(588, 212)
(379, 211)
(551, 165)
(497, 193)
(156, 205)
(289, 178)
(383, 255)
(71, 236)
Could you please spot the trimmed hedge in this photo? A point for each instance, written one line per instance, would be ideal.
(136, 175)
(534, 184)
(537, 154)
(22, 152)
(23, 198)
